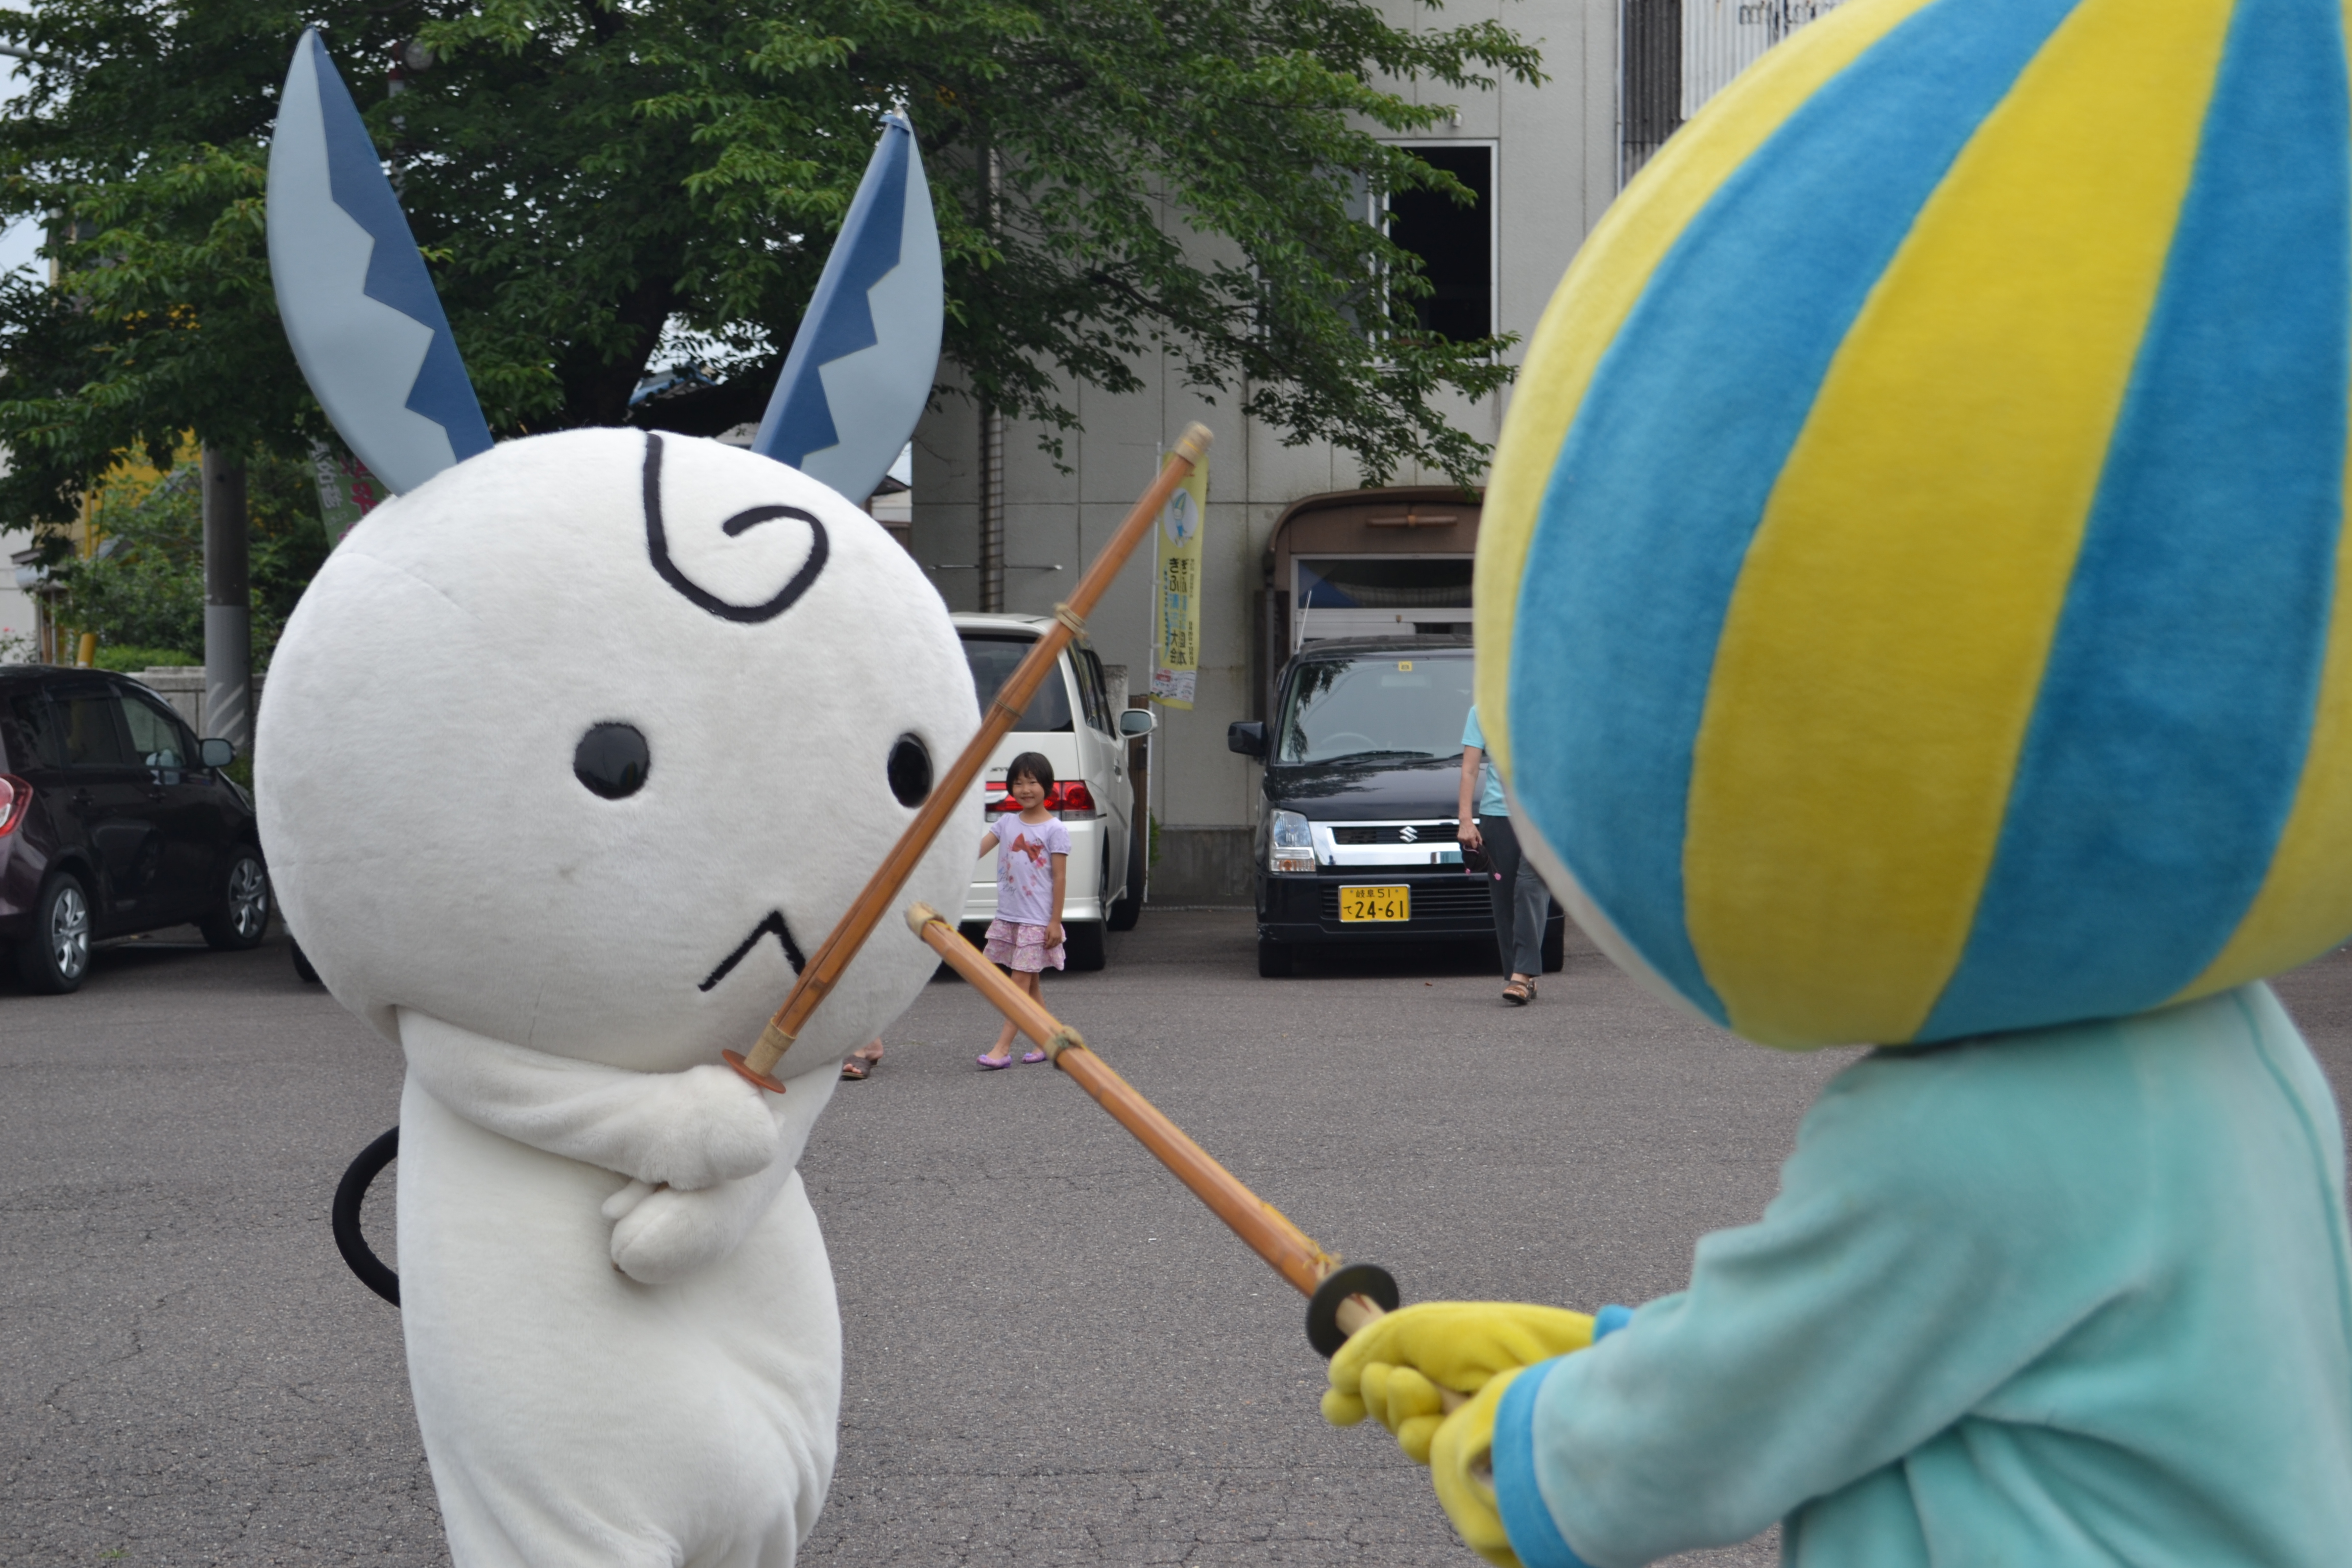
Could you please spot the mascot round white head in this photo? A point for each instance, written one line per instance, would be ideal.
(583, 745)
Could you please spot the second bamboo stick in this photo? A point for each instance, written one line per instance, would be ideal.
(1270, 1234)
(1295, 1255)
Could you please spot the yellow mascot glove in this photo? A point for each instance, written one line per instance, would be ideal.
(1392, 1370)
(1404, 1402)
(1461, 1464)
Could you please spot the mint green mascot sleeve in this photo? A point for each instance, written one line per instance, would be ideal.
(2083, 1300)
(1914, 610)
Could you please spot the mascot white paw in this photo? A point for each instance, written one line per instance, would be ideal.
(661, 1234)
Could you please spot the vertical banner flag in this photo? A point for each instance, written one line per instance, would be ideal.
(347, 491)
(1177, 582)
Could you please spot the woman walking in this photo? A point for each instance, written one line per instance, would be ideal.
(1522, 903)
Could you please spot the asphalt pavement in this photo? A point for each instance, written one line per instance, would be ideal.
(1055, 1353)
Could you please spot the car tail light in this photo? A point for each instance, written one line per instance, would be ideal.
(15, 799)
(1070, 800)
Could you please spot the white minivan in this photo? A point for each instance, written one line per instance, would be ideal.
(1071, 724)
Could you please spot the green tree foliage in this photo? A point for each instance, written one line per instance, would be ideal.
(142, 589)
(1183, 177)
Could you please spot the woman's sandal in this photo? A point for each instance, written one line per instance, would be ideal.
(853, 1070)
(1519, 993)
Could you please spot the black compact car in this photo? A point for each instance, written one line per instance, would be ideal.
(1356, 814)
(115, 819)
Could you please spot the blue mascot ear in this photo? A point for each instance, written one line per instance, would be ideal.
(358, 305)
(860, 369)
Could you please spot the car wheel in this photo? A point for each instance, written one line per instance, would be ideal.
(53, 959)
(242, 919)
(309, 975)
(1082, 945)
(1555, 944)
(1130, 909)
(1276, 959)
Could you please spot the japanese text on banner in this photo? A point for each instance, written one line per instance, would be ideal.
(1176, 662)
(347, 491)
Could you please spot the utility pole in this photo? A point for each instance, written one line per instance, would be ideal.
(228, 602)
(992, 508)
(992, 432)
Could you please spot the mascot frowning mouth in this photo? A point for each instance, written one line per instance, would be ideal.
(772, 925)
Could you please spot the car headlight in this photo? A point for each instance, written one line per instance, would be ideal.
(1290, 845)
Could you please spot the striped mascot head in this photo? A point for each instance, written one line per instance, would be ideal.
(1909, 603)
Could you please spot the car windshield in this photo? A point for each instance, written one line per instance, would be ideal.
(1385, 706)
(993, 657)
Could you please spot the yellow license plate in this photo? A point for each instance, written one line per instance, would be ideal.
(1375, 904)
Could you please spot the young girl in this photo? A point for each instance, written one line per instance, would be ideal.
(1033, 861)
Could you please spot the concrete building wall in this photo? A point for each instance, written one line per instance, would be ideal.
(1556, 169)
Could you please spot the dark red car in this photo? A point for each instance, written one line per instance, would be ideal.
(115, 819)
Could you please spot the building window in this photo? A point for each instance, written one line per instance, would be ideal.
(1456, 243)
(1675, 55)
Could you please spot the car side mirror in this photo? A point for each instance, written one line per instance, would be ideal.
(1246, 736)
(216, 753)
(1137, 721)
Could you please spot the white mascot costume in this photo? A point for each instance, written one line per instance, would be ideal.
(570, 754)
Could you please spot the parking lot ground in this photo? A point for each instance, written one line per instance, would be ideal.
(1055, 1353)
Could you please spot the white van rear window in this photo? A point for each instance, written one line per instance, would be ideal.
(994, 656)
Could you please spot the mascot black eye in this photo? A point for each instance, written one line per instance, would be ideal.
(612, 760)
(910, 770)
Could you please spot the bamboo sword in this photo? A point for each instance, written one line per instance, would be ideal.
(822, 972)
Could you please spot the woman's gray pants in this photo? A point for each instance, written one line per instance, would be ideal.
(1522, 903)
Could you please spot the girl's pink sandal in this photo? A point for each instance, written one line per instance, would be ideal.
(990, 1063)
(1035, 1056)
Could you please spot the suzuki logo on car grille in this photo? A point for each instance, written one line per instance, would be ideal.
(1367, 833)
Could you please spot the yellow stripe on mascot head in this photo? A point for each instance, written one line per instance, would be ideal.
(1909, 607)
